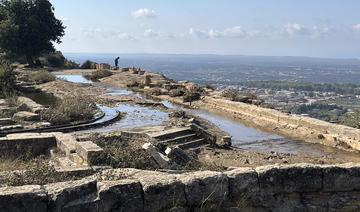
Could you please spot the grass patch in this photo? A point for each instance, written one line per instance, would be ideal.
(70, 109)
(98, 74)
(42, 76)
(123, 152)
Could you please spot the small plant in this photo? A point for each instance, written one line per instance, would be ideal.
(193, 93)
(88, 65)
(98, 74)
(42, 76)
(71, 108)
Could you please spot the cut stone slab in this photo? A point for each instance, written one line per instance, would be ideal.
(90, 152)
(162, 160)
(25, 116)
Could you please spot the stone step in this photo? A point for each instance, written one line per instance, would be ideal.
(180, 139)
(171, 133)
(82, 138)
(193, 144)
(74, 157)
(6, 121)
(25, 116)
(65, 162)
(90, 152)
(11, 127)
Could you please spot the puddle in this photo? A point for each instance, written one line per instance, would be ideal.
(136, 116)
(74, 78)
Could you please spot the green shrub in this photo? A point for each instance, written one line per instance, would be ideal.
(57, 60)
(88, 65)
(42, 76)
(71, 108)
(98, 74)
(7, 80)
(193, 93)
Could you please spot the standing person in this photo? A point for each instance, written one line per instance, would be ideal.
(117, 62)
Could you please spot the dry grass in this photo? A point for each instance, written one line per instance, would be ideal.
(70, 109)
(42, 76)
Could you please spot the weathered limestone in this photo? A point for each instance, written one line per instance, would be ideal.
(66, 142)
(31, 198)
(6, 121)
(67, 196)
(90, 152)
(103, 66)
(120, 195)
(34, 143)
(205, 186)
(178, 155)
(25, 116)
(161, 159)
(35, 107)
(299, 187)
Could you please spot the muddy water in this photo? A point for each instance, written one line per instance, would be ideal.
(243, 137)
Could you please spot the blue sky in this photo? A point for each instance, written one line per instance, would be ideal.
(314, 28)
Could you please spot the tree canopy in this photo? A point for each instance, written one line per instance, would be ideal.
(28, 28)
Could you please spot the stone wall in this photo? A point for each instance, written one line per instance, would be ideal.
(300, 187)
(289, 125)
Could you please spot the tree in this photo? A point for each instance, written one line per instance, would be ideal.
(28, 28)
(7, 79)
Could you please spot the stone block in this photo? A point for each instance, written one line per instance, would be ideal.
(290, 178)
(121, 195)
(178, 155)
(30, 198)
(66, 143)
(162, 160)
(61, 194)
(205, 186)
(344, 177)
(90, 152)
(162, 191)
(25, 116)
(243, 182)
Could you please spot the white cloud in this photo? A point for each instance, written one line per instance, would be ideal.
(296, 29)
(125, 36)
(199, 33)
(356, 27)
(144, 13)
(151, 33)
(233, 32)
(102, 33)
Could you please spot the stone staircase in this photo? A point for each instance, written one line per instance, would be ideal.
(183, 137)
(9, 124)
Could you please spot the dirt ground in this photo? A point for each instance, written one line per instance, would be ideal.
(212, 156)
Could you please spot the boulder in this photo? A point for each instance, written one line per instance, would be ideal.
(25, 116)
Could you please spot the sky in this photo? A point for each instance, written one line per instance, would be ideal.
(312, 28)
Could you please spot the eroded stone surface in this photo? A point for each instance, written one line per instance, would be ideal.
(25, 116)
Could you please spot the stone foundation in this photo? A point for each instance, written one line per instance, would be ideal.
(299, 187)
(293, 126)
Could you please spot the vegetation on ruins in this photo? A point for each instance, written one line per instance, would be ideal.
(193, 93)
(57, 60)
(42, 76)
(28, 28)
(7, 79)
(88, 65)
(98, 74)
(69, 109)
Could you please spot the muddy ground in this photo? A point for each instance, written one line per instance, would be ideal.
(212, 156)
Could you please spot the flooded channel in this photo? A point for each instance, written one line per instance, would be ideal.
(243, 137)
